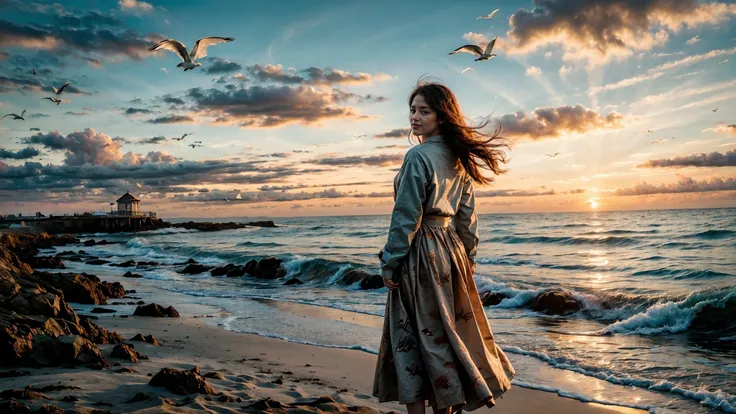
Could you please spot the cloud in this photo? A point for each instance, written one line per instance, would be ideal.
(136, 111)
(693, 40)
(313, 76)
(270, 106)
(172, 119)
(693, 59)
(76, 113)
(134, 6)
(723, 128)
(217, 66)
(172, 100)
(533, 71)
(25, 153)
(394, 133)
(625, 82)
(90, 43)
(91, 18)
(477, 39)
(714, 159)
(354, 160)
(152, 140)
(683, 185)
(80, 147)
(565, 70)
(514, 193)
(35, 85)
(552, 122)
(600, 30)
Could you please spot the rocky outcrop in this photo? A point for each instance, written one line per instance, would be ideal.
(65, 350)
(372, 282)
(269, 268)
(263, 223)
(127, 352)
(556, 302)
(195, 269)
(127, 263)
(182, 382)
(208, 226)
(155, 310)
(492, 298)
(132, 275)
(148, 338)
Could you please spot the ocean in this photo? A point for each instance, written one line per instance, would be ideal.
(641, 275)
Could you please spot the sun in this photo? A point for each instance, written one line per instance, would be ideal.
(593, 204)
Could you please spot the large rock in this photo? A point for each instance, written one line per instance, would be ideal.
(77, 288)
(492, 298)
(207, 226)
(372, 282)
(556, 302)
(127, 263)
(195, 269)
(353, 276)
(269, 268)
(127, 352)
(45, 262)
(148, 338)
(250, 267)
(36, 301)
(155, 310)
(263, 223)
(14, 407)
(66, 349)
(238, 271)
(182, 382)
(223, 270)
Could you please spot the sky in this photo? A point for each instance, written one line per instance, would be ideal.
(607, 105)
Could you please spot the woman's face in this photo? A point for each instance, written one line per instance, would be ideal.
(423, 119)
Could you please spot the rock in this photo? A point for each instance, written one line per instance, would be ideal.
(353, 276)
(269, 268)
(492, 298)
(155, 310)
(85, 289)
(238, 271)
(112, 290)
(98, 334)
(14, 373)
(267, 404)
(214, 375)
(278, 381)
(127, 263)
(126, 370)
(102, 310)
(293, 281)
(70, 398)
(23, 395)
(146, 264)
(52, 388)
(14, 407)
(220, 271)
(102, 242)
(372, 282)
(128, 352)
(207, 226)
(195, 269)
(138, 398)
(250, 267)
(556, 302)
(45, 262)
(182, 382)
(49, 409)
(131, 274)
(97, 262)
(148, 338)
(265, 223)
(716, 319)
(229, 399)
(66, 349)
(88, 243)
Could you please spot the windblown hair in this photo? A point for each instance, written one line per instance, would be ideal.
(475, 150)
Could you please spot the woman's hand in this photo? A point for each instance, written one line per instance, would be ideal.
(390, 284)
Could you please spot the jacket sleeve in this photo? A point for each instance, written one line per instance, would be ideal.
(407, 213)
(466, 221)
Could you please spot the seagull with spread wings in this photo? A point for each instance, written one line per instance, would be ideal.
(490, 15)
(60, 90)
(54, 100)
(553, 155)
(183, 136)
(476, 50)
(16, 116)
(188, 58)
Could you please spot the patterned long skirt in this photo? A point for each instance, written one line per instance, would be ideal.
(437, 344)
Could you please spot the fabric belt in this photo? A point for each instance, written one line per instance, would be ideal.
(434, 220)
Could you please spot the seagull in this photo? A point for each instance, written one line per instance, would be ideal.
(54, 100)
(318, 145)
(648, 131)
(33, 71)
(490, 15)
(359, 136)
(226, 199)
(197, 142)
(476, 50)
(194, 145)
(658, 141)
(723, 61)
(15, 116)
(553, 155)
(60, 90)
(198, 51)
(238, 197)
(35, 129)
(715, 109)
(182, 137)
(467, 69)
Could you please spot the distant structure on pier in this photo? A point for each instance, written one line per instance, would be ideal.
(128, 205)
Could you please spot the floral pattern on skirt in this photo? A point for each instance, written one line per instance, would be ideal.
(437, 344)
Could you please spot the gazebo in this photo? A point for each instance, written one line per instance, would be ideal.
(128, 205)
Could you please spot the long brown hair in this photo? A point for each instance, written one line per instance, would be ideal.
(474, 149)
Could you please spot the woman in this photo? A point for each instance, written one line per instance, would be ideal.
(437, 345)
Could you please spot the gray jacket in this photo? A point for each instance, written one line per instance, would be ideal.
(431, 182)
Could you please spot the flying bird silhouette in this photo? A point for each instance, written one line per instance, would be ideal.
(35, 129)
(60, 90)
(467, 69)
(648, 131)
(715, 109)
(659, 141)
(15, 116)
(182, 137)
(553, 155)
(359, 136)
(489, 16)
(476, 50)
(33, 71)
(197, 142)
(188, 58)
(194, 145)
(54, 100)
(318, 145)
